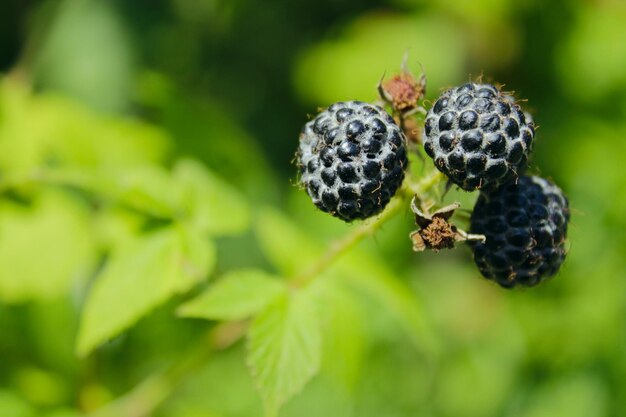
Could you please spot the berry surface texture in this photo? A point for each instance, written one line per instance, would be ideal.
(352, 159)
(478, 136)
(525, 224)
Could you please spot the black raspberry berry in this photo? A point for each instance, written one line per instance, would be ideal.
(478, 136)
(352, 158)
(525, 225)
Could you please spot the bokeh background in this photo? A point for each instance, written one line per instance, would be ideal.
(87, 84)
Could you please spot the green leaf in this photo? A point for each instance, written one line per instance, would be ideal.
(37, 129)
(213, 206)
(79, 137)
(148, 189)
(369, 275)
(292, 251)
(284, 348)
(343, 331)
(140, 276)
(236, 296)
(289, 250)
(44, 248)
(22, 142)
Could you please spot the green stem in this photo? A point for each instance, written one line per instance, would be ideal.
(343, 245)
(338, 248)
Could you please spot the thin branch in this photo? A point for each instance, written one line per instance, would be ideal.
(343, 245)
(338, 248)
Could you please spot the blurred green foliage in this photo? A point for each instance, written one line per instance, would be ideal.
(145, 151)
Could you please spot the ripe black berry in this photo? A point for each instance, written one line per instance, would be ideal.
(352, 158)
(525, 224)
(478, 136)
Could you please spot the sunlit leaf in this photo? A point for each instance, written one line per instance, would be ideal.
(37, 129)
(44, 248)
(214, 207)
(148, 189)
(140, 276)
(236, 296)
(115, 225)
(81, 137)
(284, 348)
(22, 142)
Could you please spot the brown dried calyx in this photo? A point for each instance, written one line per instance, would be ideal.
(403, 91)
(438, 234)
(435, 231)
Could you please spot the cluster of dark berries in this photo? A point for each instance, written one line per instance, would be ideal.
(480, 138)
(353, 156)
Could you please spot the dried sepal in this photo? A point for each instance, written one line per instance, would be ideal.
(435, 230)
(403, 92)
